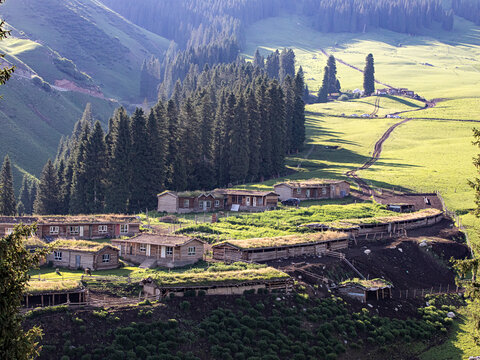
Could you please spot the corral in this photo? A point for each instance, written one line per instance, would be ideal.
(265, 249)
(50, 293)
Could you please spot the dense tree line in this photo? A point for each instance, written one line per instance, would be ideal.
(212, 31)
(404, 16)
(226, 124)
(468, 9)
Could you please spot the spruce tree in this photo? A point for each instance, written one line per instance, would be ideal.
(47, 199)
(276, 118)
(254, 137)
(239, 143)
(78, 192)
(8, 205)
(369, 76)
(333, 84)
(219, 145)
(287, 64)
(24, 197)
(266, 168)
(272, 65)
(119, 172)
(33, 196)
(139, 162)
(258, 60)
(95, 170)
(156, 143)
(190, 145)
(205, 175)
(65, 186)
(323, 91)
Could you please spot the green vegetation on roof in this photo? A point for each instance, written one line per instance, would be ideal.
(34, 241)
(349, 223)
(34, 287)
(216, 274)
(79, 245)
(287, 240)
(368, 284)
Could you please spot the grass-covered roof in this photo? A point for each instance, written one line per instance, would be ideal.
(286, 240)
(46, 286)
(309, 182)
(352, 223)
(218, 277)
(80, 245)
(371, 284)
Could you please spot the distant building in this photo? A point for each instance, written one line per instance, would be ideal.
(161, 250)
(366, 290)
(313, 189)
(75, 227)
(219, 199)
(82, 254)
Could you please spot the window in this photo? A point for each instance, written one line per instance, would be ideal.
(54, 230)
(169, 250)
(186, 203)
(57, 255)
(200, 204)
(209, 204)
(260, 201)
(106, 258)
(324, 191)
(8, 231)
(299, 191)
(123, 228)
(74, 230)
(217, 203)
(308, 193)
(143, 248)
(102, 228)
(191, 251)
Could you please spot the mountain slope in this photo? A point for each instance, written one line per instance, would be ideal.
(66, 53)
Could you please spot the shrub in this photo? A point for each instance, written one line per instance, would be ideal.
(86, 357)
(190, 293)
(145, 302)
(185, 305)
(77, 320)
(102, 314)
(201, 293)
(331, 356)
(343, 97)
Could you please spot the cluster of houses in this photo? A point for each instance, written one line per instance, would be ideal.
(396, 92)
(250, 200)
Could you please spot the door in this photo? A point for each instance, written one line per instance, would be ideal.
(149, 249)
(162, 252)
(77, 261)
(254, 201)
(307, 193)
(81, 231)
(248, 200)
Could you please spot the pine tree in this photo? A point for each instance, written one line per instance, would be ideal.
(253, 135)
(61, 179)
(272, 65)
(156, 143)
(24, 197)
(323, 91)
(333, 84)
(95, 169)
(8, 205)
(65, 186)
(287, 64)
(47, 199)
(33, 196)
(258, 60)
(78, 192)
(276, 117)
(119, 172)
(369, 76)
(238, 143)
(190, 148)
(140, 167)
(219, 145)
(205, 174)
(266, 168)
(172, 146)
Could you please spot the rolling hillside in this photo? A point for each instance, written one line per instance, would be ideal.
(67, 53)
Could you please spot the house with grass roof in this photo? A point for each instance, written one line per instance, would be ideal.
(54, 292)
(189, 201)
(167, 250)
(281, 247)
(366, 289)
(82, 254)
(313, 189)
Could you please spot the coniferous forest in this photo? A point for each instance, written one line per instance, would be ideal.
(227, 124)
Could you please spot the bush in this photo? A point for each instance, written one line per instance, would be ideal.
(343, 97)
(185, 305)
(102, 314)
(190, 293)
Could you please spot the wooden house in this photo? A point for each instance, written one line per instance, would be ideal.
(381, 91)
(82, 254)
(266, 249)
(51, 293)
(248, 200)
(189, 201)
(75, 227)
(366, 290)
(152, 250)
(313, 189)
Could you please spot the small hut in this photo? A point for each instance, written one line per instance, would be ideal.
(365, 290)
(51, 293)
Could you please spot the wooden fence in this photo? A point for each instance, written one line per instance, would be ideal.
(420, 293)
